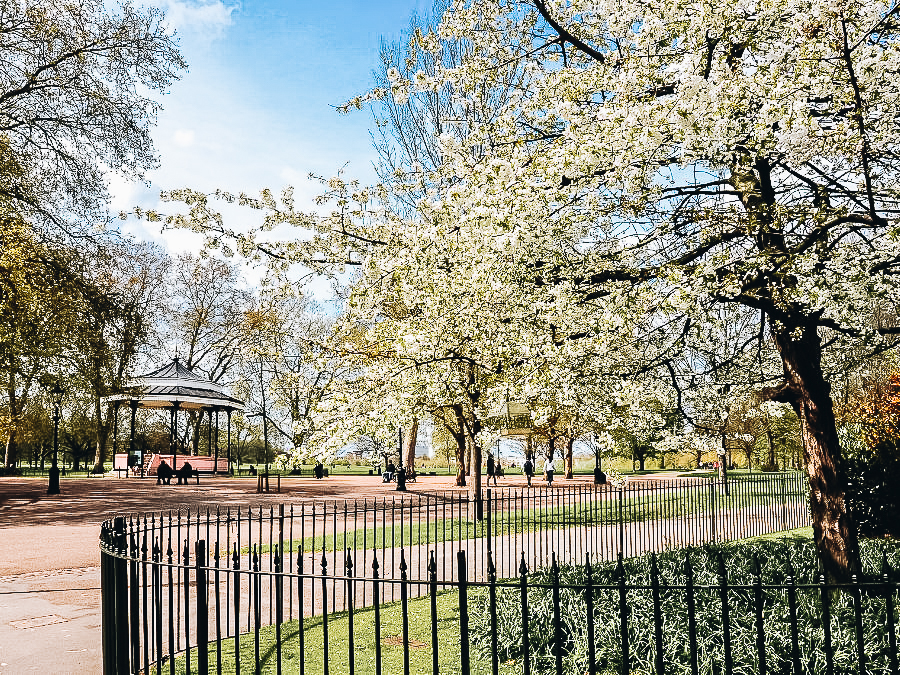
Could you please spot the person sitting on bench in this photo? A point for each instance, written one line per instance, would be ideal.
(164, 473)
(184, 472)
(319, 470)
(389, 472)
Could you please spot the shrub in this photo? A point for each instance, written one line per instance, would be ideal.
(774, 558)
(872, 489)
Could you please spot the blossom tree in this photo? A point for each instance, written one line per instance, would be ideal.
(719, 157)
(651, 173)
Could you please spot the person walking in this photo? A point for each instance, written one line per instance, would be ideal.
(528, 470)
(491, 469)
(549, 469)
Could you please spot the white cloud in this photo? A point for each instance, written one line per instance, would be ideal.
(184, 138)
(207, 19)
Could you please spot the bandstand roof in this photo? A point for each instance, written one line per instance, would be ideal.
(174, 383)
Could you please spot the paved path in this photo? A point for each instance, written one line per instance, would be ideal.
(49, 557)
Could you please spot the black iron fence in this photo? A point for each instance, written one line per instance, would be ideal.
(389, 585)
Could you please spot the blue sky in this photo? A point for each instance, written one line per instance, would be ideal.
(256, 107)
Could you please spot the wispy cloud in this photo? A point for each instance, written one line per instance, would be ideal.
(203, 19)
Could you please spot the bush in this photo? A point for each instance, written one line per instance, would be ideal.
(873, 478)
(773, 556)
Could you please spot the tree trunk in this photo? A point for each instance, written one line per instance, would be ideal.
(459, 435)
(476, 461)
(101, 436)
(409, 459)
(461, 464)
(569, 460)
(809, 394)
(195, 421)
(12, 434)
(11, 443)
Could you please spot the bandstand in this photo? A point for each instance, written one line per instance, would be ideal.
(176, 388)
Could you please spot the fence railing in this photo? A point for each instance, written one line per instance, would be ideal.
(220, 590)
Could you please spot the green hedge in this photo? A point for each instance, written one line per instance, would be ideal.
(773, 557)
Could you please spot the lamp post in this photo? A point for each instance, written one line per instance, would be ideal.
(56, 394)
(401, 472)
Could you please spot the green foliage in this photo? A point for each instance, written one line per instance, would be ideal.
(873, 478)
(773, 556)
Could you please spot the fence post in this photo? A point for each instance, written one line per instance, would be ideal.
(692, 611)
(157, 603)
(489, 533)
(351, 645)
(107, 601)
(860, 636)
(301, 583)
(826, 622)
(432, 577)
(236, 566)
(623, 616)
(523, 587)
(621, 525)
(120, 574)
(202, 609)
(891, 626)
(376, 601)
(185, 575)
(324, 564)
(589, 601)
(758, 606)
(792, 612)
(492, 600)
(278, 563)
(134, 597)
(726, 614)
(557, 620)
(463, 611)
(658, 659)
(404, 607)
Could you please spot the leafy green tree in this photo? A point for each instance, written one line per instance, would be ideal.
(74, 102)
(206, 323)
(39, 298)
(118, 318)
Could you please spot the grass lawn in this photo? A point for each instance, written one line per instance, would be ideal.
(637, 507)
(420, 639)
(420, 642)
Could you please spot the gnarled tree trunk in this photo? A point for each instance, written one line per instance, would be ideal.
(806, 390)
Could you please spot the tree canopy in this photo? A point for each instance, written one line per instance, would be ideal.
(74, 101)
(673, 200)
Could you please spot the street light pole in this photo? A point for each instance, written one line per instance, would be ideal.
(56, 394)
